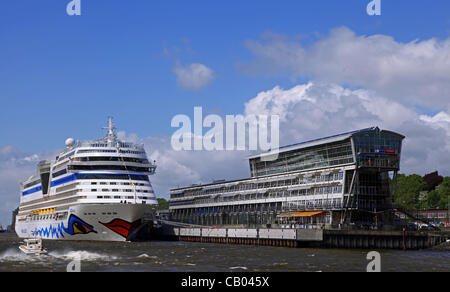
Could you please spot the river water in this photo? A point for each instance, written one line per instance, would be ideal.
(205, 257)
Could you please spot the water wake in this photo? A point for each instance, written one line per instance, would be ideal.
(235, 268)
(14, 255)
(82, 255)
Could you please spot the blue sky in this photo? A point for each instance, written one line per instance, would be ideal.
(324, 65)
(61, 75)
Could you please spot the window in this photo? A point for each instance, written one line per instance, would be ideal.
(108, 167)
(32, 184)
(112, 158)
(66, 156)
(301, 159)
(132, 152)
(59, 173)
(96, 151)
(113, 176)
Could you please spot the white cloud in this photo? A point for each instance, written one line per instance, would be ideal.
(183, 168)
(416, 72)
(439, 121)
(425, 148)
(193, 76)
(315, 110)
(394, 78)
(15, 166)
(307, 111)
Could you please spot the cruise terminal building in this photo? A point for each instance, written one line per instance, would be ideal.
(328, 182)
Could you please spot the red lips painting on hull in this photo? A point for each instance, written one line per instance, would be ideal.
(122, 227)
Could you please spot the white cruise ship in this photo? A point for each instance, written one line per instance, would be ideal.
(93, 190)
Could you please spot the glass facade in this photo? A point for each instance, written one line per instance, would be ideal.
(326, 155)
(377, 148)
(346, 176)
(371, 191)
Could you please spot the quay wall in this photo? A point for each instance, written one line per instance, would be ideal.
(365, 239)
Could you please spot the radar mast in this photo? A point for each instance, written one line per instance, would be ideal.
(111, 136)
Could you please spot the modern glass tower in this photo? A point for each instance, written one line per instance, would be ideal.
(336, 180)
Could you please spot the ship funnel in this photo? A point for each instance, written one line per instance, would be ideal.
(44, 172)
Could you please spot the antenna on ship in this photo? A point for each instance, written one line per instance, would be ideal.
(111, 133)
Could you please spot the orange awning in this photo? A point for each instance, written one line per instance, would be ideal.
(301, 214)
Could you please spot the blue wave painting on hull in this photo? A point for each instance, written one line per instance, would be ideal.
(46, 232)
(75, 226)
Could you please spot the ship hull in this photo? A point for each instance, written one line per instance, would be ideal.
(91, 222)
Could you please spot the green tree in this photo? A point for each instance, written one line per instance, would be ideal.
(444, 193)
(433, 200)
(408, 191)
(163, 204)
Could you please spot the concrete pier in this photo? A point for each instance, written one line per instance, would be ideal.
(365, 239)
